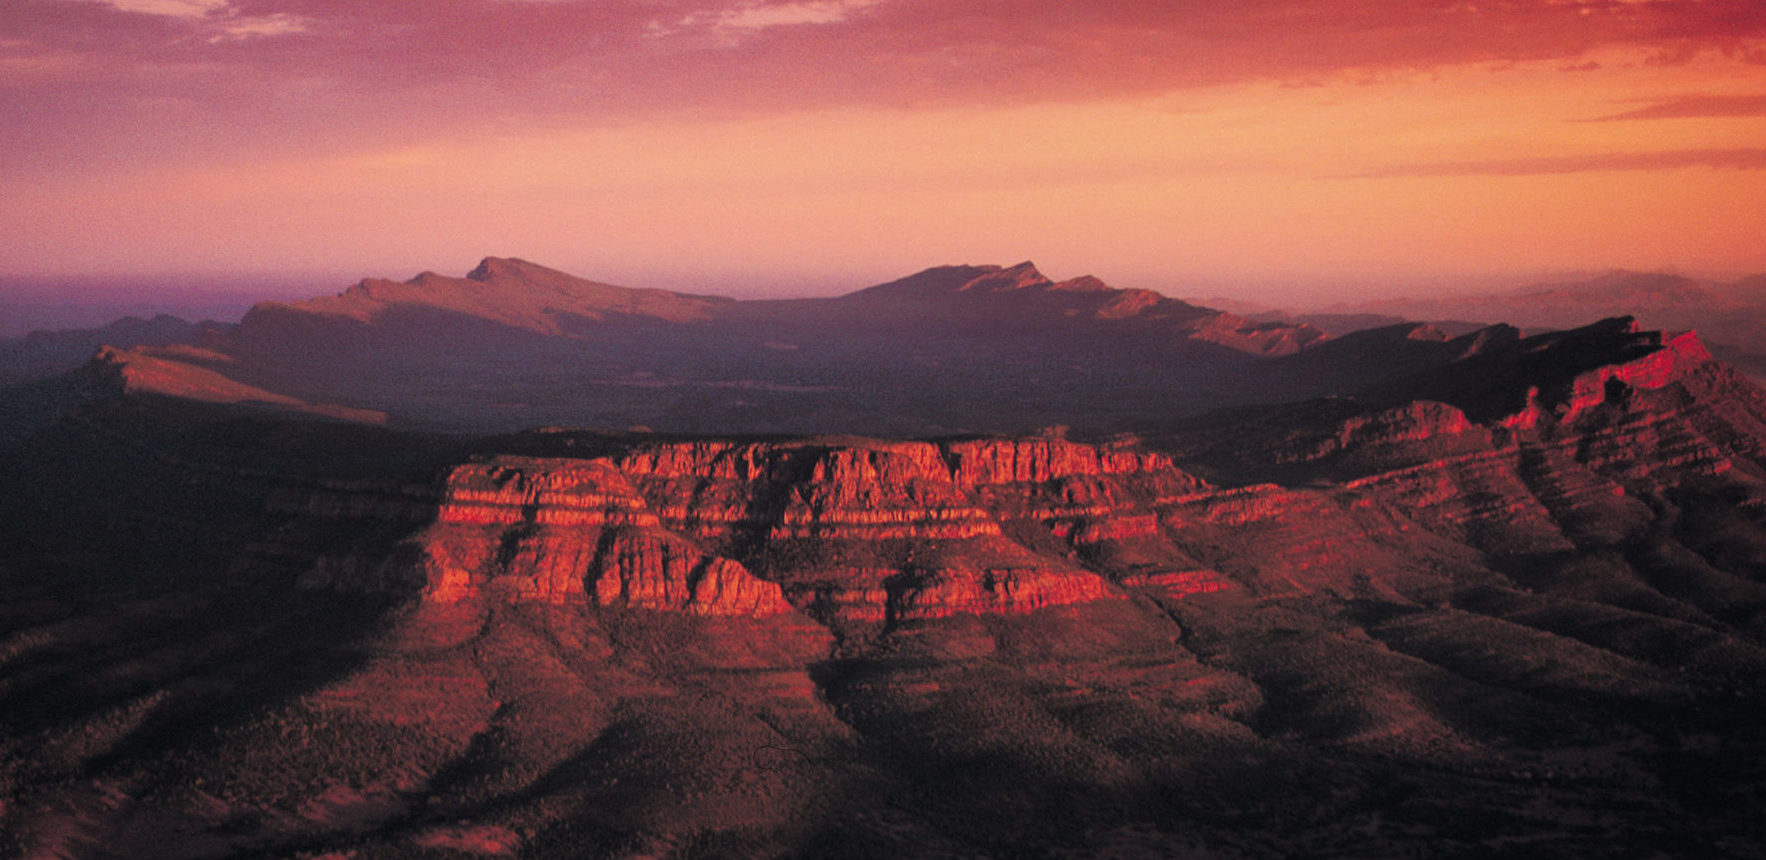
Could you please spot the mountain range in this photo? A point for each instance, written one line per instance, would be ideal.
(1730, 315)
(513, 345)
(973, 563)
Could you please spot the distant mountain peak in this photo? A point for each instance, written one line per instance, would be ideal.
(1024, 291)
(503, 290)
(1019, 277)
(1025, 276)
(492, 269)
(1632, 277)
(1085, 284)
(941, 281)
(429, 279)
(936, 281)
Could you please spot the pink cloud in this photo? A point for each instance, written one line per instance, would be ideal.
(894, 49)
(1696, 106)
(203, 76)
(1737, 159)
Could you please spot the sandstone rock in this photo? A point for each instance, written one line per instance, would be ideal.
(648, 570)
(674, 526)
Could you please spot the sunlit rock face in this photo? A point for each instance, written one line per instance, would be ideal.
(867, 530)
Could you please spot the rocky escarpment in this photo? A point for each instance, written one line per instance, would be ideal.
(1665, 360)
(855, 531)
(568, 530)
(1519, 381)
(864, 534)
(1561, 442)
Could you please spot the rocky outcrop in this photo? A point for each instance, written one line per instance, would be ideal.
(647, 570)
(878, 493)
(869, 532)
(1666, 359)
(1024, 461)
(563, 530)
(1180, 583)
(1352, 443)
(1478, 499)
(855, 530)
(1629, 422)
(1417, 421)
(516, 490)
(987, 588)
(1612, 416)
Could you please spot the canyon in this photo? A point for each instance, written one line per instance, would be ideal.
(1410, 593)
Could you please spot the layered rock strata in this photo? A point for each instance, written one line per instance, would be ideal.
(1576, 464)
(860, 531)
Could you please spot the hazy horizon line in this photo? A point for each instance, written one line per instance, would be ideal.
(50, 302)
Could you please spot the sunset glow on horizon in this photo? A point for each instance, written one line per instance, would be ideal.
(764, 148)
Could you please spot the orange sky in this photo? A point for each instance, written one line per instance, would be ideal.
(1264, 148)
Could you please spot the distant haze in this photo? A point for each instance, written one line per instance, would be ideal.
(49, 302)
(66, 302)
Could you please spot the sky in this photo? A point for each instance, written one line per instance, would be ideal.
(1264, 149)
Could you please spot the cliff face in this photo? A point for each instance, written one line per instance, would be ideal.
(857, 531)
(564, 531)
(1666, 359)
(1552, 446)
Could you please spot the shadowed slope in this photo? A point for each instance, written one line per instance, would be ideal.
(956, 349)
(43, 354)
(1023, 292)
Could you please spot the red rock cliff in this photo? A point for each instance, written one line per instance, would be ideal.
(860, 529)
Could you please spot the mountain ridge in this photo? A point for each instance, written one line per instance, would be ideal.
(976, 342)
(522, 294)
(1730, 314)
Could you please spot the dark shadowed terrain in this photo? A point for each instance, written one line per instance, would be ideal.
(514, 345)
(1730, 316)
(315, 586)
(46, 353)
